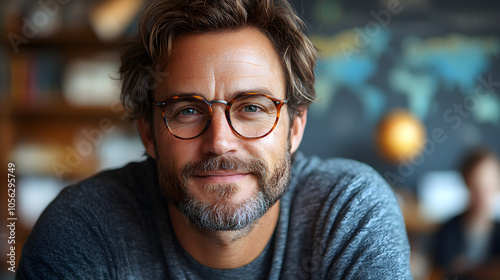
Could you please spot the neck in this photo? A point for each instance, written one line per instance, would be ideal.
(224, 249)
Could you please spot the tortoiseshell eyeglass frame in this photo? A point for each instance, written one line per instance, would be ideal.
(277, 102)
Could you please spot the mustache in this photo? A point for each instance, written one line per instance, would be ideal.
(256, 167)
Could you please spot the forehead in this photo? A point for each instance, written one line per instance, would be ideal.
(223, 63)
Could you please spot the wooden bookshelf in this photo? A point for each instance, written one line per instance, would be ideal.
(34, 114)
(69, 112)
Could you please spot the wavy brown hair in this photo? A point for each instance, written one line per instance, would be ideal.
(146, 56)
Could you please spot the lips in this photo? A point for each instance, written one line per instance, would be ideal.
(218, 173)
(223, 170)
(220, 176)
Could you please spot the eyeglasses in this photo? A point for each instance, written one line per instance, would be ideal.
(250, 115)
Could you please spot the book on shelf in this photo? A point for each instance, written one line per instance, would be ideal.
(44, 77)
(35, 78)
(4, 74)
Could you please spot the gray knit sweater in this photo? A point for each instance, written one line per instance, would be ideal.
(338, 220)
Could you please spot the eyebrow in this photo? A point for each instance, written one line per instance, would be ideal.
(262, 90)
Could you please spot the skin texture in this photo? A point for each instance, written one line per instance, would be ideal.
(220, 66)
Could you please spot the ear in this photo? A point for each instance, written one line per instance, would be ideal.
(147, 136)
(297, 130)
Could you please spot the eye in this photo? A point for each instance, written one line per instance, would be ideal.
(188, 112)
(251, 109)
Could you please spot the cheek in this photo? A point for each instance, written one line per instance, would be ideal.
(171, 151)
(272, 147)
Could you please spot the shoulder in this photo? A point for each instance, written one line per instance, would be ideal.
(346, 210)
(333, 168)
(450, 235)
(109, 188)
(453, 225)
(131, 175)
(102, 194)
(81, 226)
(110, 197)
(339, 179)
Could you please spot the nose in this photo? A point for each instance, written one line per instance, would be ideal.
(219, 139)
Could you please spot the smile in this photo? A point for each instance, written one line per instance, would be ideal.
(220, 176)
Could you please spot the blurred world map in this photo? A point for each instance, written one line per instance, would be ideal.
(423, 67)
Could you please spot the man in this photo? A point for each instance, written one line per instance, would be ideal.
(223, 194)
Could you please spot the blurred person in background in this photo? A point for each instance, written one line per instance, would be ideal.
(468, 246)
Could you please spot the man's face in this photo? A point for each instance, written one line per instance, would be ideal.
(219, 180)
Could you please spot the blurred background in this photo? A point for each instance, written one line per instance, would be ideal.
(409, 87)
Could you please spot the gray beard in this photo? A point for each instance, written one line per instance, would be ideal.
(223, 215)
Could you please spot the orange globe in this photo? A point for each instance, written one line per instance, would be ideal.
(400, 136)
